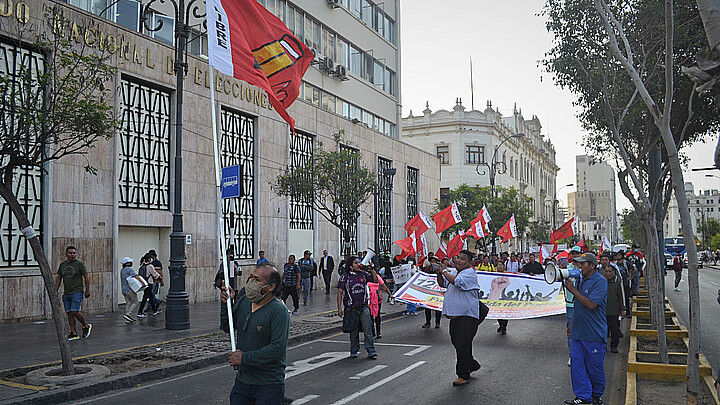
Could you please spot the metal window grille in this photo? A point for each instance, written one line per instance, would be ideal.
(301, 154)
(347, 218)
(27, 184)
(144, 146)
(237, 139)
(412, 192)
(384, 205)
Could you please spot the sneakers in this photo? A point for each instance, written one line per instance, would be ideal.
(569, 362)
(437, 326)
(461, 382)
(305, 302)
(353, 355)
(577, 401)
(295, 311)
(87, 330)
(427, 325)
(677, 289)
(73, 336)
(597, 401)
(142, 316)
(128, 319)
(157, 312)
(372, 356)
(378, 337)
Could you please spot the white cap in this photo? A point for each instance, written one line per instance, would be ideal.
(126, 260)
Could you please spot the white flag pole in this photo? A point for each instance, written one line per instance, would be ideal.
(220, 224)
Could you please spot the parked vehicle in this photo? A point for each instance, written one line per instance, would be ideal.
(668, 261)
(700, 261)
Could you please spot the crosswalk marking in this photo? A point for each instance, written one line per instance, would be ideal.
(418, 348)
(303, 366)
(416, 351)
(368, 372)
(379, 383)
(305, 399)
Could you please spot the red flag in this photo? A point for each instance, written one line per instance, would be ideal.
(484, 217)
(421, 249)
(546, 252)
(446, 218)
(583, 245)
(407, 245)
(605, 245)
(248, 42)
(419, 224)
(455, 246)
(509, 230)
(476, 230)
(442, 251)
(566, 230)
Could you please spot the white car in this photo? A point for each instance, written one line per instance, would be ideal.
(700, 261)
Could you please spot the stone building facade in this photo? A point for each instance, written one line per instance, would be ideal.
(594, 200)
(126, 208)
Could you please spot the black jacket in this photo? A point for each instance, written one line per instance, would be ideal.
(533, 268)
(330, 263)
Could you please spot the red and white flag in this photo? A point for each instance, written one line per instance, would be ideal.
(509, 230)
(476, 230)
(485, 219)
(418, 224)
(547, 251)
(248, 42)
(408, 246)
(566, 230)
(421, 248)
(442, 251)
(455, 246)
(605, 245)
(447, 218)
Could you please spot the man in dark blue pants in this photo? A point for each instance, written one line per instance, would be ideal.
(588, 331)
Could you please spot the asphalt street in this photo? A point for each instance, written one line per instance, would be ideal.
(709, 280)
(526, 366)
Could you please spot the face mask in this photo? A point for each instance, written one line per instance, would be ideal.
(253, 291)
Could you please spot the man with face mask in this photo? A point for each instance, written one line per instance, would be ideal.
(263, 326)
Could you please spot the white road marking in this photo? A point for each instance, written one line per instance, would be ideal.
(713, 282)
(305, 399)
(416, 351)
(368, 372)
(379, 383)
(303, 366)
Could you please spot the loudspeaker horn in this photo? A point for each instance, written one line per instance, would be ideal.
(554, 273)
(366, 260)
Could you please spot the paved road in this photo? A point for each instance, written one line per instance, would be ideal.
(709, 280)
(529, 365)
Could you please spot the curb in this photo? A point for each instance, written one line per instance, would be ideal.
(137, 378)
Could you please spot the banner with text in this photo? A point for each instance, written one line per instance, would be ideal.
(509, 295)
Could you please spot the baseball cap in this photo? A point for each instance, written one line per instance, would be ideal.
(126, 260)
(587, 257)
(576, 249)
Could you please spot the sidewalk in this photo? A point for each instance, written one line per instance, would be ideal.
(30, 344)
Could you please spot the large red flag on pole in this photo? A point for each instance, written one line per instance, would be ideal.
(419, 224)
(476, 230)
(248, 42)
(407, 245)
(455, 246)
(447, 218)
(442, 251)
(566, 230)
(508, 231)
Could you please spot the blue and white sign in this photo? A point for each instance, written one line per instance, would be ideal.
(230, 183)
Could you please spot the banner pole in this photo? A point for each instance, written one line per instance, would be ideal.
(220, 224)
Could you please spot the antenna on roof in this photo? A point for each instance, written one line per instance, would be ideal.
(472, 88)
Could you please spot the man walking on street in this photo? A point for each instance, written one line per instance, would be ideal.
(72, 273)
(327, 264)
(263, 326)
(462, 306)
(532, 267)
(588, 331)
(677, 267)
(306, 272)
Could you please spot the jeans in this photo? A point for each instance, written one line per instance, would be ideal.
(588, 370)
(614, 328)
(156, 291)
(569, 315)
(636, 284)
(305, 286)
(292, 292)
(73, 301)
(131, 303)
(148, 296)
(678, 278)
(366, 326)
(462, 332)
(245, 394)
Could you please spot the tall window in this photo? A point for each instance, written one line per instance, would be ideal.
(384, 204)
(412, 192)
(443, 153)
(346, 218)
(27, 184)
(144, 146)
(301, 154)
(474, 154)
(237, 139)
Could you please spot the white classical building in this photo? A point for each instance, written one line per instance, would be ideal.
(703, 206)
(464, 141)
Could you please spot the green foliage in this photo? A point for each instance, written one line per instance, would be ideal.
(632, 229)
(334, 182)
(708, 230)
(55, 105)
(539, 231)
(470, 200)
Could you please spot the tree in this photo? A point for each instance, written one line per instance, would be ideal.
(538, 230)
(334, 182)
(470, 200)
(708, 229)
(54, 105)
(632, 229)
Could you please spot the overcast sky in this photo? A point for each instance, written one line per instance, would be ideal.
(506, 40)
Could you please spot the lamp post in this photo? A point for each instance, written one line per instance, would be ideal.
(177, 314)
(555, 202)
(494, 168)
(700, 215)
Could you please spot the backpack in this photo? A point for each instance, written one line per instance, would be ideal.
(142, 271)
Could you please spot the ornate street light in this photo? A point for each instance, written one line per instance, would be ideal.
(177, 314)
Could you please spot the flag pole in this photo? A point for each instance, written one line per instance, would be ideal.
(220, 224)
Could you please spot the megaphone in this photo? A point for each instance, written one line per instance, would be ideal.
(554, 273)
(366, 260)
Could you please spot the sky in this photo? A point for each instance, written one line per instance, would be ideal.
(506, 39)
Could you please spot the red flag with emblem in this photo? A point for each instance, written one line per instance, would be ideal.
(447, 218)
(248, 42)
(508, 231)
(407, 246)
(419, 224)
(566, 230)
(442, 251)
(455, 246)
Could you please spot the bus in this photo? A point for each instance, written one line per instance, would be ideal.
(675, 246)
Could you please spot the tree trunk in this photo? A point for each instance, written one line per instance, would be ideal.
(59, 317)
(653, 273)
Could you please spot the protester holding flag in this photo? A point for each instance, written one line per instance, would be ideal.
(461, 305)
(434, 267)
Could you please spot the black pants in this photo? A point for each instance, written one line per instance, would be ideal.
(377, 320)
(148, 296)
(428, 315)
(462, 332)
(327, 276)
(678, 278)
(614, 327)
(503, 324)
(626, 289)
(291, 291)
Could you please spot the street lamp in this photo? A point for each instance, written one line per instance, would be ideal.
(493, 169)
(555, 202)
(700, 215)
(177, 313)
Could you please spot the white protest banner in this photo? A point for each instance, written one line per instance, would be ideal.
(509, 295)
(401, 274)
